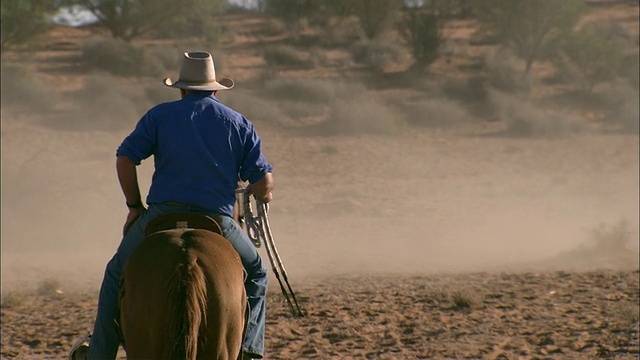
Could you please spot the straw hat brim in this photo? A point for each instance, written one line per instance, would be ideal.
(222, 84)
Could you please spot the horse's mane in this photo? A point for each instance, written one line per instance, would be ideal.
(187, 303)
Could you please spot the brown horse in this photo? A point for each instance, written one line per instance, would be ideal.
(182, 293)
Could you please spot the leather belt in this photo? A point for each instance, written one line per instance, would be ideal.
(175, 203)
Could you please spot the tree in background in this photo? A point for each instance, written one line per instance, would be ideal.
(525, 26)
(128, 19)
(23, 19)
(376, 16)
(291, 10)
(421, 28)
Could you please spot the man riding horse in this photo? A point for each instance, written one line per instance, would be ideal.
(201, 149)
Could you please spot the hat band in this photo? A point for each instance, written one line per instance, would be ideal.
(186, 82)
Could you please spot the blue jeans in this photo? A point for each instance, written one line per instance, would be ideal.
(105, 339)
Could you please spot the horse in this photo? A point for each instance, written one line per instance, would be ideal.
(182, 292)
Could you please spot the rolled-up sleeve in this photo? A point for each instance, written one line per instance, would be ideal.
(254, 164)
(141, 143)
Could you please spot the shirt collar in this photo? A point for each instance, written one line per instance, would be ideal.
(201, 95)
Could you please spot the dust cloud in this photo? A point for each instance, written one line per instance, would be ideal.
(403, 199)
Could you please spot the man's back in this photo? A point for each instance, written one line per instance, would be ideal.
(201, 147)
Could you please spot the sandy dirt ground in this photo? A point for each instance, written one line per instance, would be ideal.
(437, 242)
(445, 244)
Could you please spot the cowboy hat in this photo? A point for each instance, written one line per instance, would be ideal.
(198, 73)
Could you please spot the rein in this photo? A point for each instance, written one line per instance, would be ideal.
(259, 231)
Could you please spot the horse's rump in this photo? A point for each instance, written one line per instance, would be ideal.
(183, 297)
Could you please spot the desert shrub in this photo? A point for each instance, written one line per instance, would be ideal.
(501, 68)
(463, 299)
(326, 107)
(12, 299)
(337, 32)
(318, 58)
(24, 90)
(612, 238)
(629, 69)
(526, 26)
(524, 119)
(284, 56)
(49, 287)
(587, 58)
(626, 313)
(121, 58)
(622, 109)
(435, 113)
(376, 16)
(377, 55)
(474, 93)
(274, 26)
(616, 33)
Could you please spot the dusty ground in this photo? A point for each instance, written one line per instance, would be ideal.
(459, 241)
(507, 229)
(533, 315)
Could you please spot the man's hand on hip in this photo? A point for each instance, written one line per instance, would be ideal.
(134, 214)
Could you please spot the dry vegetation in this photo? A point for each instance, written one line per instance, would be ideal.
(464, 211)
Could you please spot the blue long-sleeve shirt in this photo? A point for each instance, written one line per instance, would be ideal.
(201, 148)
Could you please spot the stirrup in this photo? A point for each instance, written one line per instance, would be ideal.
(80, 349)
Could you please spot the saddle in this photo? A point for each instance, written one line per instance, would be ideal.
(182, 220)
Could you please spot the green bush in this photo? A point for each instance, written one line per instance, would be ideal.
(22, 20)
(526, 26)
(129, 19)
(587, 58)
